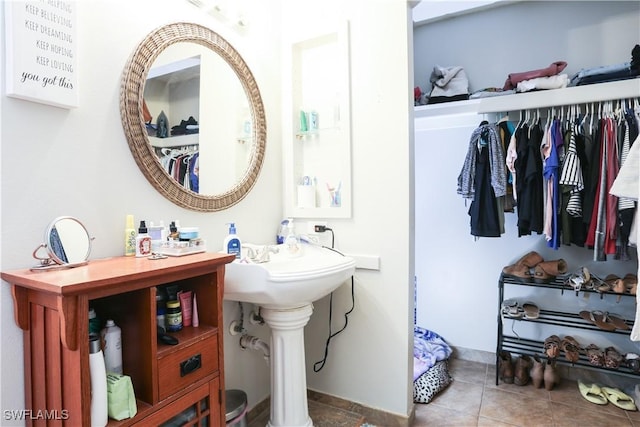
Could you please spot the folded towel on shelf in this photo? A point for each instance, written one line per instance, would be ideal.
(552, 82)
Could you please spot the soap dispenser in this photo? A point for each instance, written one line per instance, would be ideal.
(291, 242)
(232, 243)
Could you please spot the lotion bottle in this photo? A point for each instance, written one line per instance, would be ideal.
(232, 243)
(130, 237)
(98, 376)
(112, 346)
(143, 241)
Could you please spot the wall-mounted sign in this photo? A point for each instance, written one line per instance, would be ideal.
(41, 51)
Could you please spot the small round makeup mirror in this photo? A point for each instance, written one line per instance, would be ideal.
(66, 244)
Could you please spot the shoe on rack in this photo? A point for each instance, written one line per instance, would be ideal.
(571, 349)
(523, 365)
(505, 367)
(547, 271)
(552, 346)
(530, 259)
(518, 272)
(595, 355)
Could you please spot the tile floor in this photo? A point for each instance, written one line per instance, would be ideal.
(473, 399)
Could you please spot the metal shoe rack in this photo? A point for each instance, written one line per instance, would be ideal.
(558, 318)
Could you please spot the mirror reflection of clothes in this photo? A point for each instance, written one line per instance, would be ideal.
(182, 165)
(56, 245)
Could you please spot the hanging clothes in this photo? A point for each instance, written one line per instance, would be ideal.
(528, 167)
(483, 180)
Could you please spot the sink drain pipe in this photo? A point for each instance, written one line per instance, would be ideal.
(255, 343)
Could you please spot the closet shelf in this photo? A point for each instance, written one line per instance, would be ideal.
(622, 89)
(566, 96)
(533, 347)
(174, 141)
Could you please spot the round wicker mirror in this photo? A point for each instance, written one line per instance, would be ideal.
(135, 128)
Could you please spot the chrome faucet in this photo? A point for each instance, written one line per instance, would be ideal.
(261, 254)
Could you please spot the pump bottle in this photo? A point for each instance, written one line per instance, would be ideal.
(291, 242)
(232, 244)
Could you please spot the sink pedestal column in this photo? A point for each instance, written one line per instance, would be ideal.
(289, 405)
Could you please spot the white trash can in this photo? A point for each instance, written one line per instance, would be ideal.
(236, 408)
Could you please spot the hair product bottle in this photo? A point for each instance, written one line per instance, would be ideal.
(98, 375)
(112, 346)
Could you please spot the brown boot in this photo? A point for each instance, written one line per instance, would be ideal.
(505, 367)
(537, 372)
(551, 376)
(523, 364)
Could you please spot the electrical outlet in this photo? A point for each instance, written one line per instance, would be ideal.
(311, 226)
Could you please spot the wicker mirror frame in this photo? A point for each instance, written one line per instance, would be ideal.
(131, 101)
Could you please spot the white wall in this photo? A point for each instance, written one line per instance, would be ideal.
(77, 162)
(370, 362)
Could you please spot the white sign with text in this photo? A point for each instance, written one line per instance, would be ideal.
(41, 51)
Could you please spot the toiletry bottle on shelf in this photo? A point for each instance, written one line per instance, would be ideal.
(291, 242)
(173, 232)
(130, 237)
(143, 241)
(232, 243)
(112, 346)
(94, 322)
(98, 376)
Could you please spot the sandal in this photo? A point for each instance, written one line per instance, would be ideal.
(592, 393)
(620, 399)
(595, 355)
(616, 320)
(531, 311)
(552, 346)
(612, 358)
(511, 308)
(571, 349)
(598, 318)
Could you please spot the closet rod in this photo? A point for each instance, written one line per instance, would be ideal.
(556, 97)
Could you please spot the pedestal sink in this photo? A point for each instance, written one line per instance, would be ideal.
(285, 287)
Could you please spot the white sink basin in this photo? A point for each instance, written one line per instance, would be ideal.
(285, 282)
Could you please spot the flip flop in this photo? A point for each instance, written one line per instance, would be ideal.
(531, 311)
(592, 393)
(618, 398)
